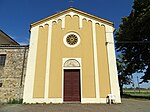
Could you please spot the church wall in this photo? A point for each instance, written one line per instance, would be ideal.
(84, 51)
(59, 51)
(13, 73)
(104, 84)
(41, 56)
(55, 76)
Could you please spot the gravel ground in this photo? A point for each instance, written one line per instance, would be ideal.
(127, 105)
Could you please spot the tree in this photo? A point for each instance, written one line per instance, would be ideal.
(123, 78)
(133, 39)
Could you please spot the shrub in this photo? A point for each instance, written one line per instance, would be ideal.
(15, 101)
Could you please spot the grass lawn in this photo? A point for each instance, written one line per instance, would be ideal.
(136, 93)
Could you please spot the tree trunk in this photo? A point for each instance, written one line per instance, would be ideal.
(121, 90)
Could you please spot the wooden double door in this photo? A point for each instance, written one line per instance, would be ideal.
(72, 85)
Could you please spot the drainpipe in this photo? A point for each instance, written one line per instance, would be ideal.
(23, 66)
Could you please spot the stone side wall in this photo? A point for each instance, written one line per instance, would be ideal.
(12, 75)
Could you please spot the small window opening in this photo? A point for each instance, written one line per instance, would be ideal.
(1, 84)
(2, 59)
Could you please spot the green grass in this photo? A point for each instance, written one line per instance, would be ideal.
(136, 93)
(137, 90)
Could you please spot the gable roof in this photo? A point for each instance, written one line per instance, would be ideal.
(6, 39)
(71, 10)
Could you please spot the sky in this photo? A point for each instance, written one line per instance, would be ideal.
(17, 15)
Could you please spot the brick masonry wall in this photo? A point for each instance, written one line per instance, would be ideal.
(12, 75)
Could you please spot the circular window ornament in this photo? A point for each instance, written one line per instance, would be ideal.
(71, 39)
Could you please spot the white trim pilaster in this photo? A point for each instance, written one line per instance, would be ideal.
(80, 22)
(31, 63)
(95, 61)
(114, 84)
(48, 61)
(63, 22)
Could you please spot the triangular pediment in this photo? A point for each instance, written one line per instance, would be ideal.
(72, 11)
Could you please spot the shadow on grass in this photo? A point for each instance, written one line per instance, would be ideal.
(135, 96)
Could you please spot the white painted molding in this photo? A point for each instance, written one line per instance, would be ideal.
(80, 21)
(90, 100)
(48, 60)
(29, 79)
(62, 18)
(60, 100)
(63, 22)
(49, 100)
(95, 62)
(94, 100)
(114, 84)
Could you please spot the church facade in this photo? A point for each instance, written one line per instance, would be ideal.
(71, 59)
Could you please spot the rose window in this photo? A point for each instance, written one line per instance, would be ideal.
(72, 39)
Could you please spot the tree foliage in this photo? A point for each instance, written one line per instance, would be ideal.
(123, 78)
(133, 39)
(121, 66)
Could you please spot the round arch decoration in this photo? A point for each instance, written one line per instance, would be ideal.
(72, 39)
(72, 63)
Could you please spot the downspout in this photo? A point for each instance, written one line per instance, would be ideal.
(23, 66)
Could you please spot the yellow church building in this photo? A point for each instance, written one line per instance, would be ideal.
(71, 59)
